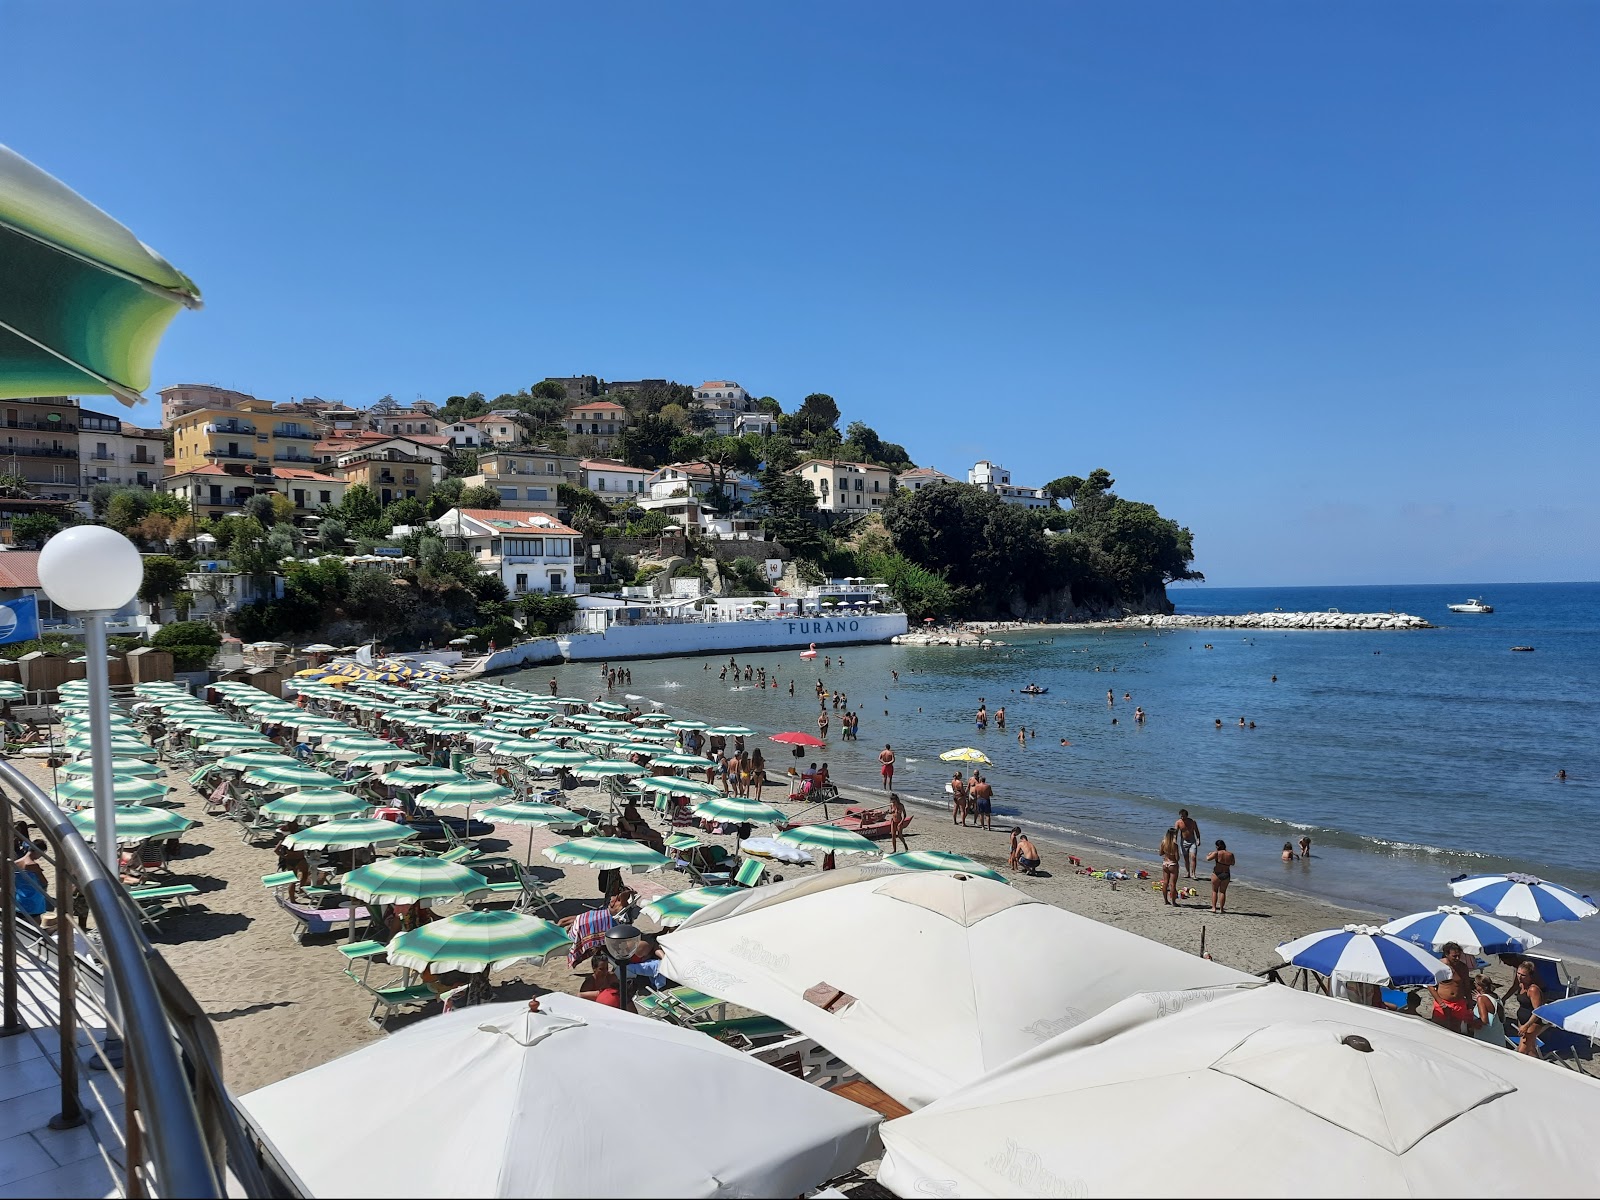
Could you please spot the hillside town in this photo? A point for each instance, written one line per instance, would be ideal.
(486, 508)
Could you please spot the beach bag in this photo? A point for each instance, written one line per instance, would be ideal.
(30, 897)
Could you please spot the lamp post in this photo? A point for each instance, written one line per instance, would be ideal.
(621, 942)
(93, 571)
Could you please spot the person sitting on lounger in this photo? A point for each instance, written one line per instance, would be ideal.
(634, 827)
(601, 985)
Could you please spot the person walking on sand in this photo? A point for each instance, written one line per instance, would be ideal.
(897, 822)
(958, 792)
(1169, 868)
(886, 769)
(1189, 841)
(1221, 860)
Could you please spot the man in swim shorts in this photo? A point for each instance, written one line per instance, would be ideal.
(1189, 841)
(887, 769)
(982, 799)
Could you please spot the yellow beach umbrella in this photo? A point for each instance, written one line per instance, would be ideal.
(966, 754)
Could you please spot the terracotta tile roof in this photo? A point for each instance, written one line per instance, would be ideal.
(922, 471)
(717, 383)
(19, 569)
(508, 518)
(837, 462)
(277, 473)
(610, 464)
(597, 406)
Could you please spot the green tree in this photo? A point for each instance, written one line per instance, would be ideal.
(163, 577)
(405, 511)
(480, 496)
(332, 533)
(790, 507)
(14, 486)
(360, 509)
(550, 390)
(260, 508)
(547, 613)
(126, 508)
(819, 411)
(647, 442)
(33, 530)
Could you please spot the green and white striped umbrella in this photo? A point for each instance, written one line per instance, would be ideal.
(604, 852)
(527, 812)
(478, 941)
(520, 746)
(737, 809)
(11, 690)
(452, 727)
(827, 838)
(408, 879)
(237, 745)
(83, 722)
(322, 803)
(684, 726)
(566, 700)
(472, 791)
(349, 747)
(942, 860)
(692, 761)
(262, 758)
(374, 758)
(119, 745)
(85, 302)
(733, 731)
(343, 835)
(677, 907)
(604, 725)
(125, 789)
(561, 758)
(121, 768)
(135, 823)
(290, 774)
(604, 739)
(679, 787)
(558, 731)
(423, 776)
(649, 749)
(461, 709)
(607, 768)
(652, 718)
(606, 706)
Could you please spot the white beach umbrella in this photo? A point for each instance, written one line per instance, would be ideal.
(934, 961)
(528, 1092)
(1299, 1094)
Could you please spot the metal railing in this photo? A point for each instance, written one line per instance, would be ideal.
(69, 426)
(179, 1129)
(22, 451)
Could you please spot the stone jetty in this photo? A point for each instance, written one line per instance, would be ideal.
(1277, 620)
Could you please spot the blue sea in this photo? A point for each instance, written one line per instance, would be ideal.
(1407, 757)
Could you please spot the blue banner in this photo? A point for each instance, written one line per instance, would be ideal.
(19, 620)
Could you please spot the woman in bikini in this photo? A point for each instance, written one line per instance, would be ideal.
(1221, 860)
(1169, 868)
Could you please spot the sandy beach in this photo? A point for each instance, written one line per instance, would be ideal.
(281, 1007)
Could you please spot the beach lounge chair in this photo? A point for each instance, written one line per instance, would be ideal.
(749, 873)
(681, 1005)
(742, 1033)
(157, 902)
(391, 997)
(309, 920)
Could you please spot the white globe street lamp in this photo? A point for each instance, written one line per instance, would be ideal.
(94, 571)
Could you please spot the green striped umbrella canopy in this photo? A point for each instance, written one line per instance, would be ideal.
(604, 739)
(373, 758)
(607, 768)
(472, 791)
(527, 812)
(604, 852)
(121, 768)
(349, 747)
(237, 745)
(558, 731)
(289, 774)
(566, 700)
(733, 731)
(135, 823)
(561, 758)
(125, 789)
(676, 907)
(478, 941)
(606, 706)
(80, 744)
(656, 736)
(458, 709)
(692, 761)
(648, 749)
(942, 860)
(652, 718)
(679, 787)
(454, 727)
(603, 723)
(258, 758)
(521, 746)
(423, 776)
(342, 835)
(684, 726)
(827, 838)
(737, 809)
(321, 803)
(81, 722)
(11, 690)
(409, 878)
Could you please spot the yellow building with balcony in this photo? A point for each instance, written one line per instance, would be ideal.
(251, 434)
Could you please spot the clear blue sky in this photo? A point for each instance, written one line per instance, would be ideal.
(1319, 280)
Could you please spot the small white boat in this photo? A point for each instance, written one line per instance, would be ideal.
(1472, 606)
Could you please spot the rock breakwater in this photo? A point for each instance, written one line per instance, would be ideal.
(1277, 620)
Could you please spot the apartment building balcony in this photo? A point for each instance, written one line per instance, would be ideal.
(236, 428)
(98, 456)
(40, 451)
(231, 455)
(303, 460)
(47, 426)
(304, 435)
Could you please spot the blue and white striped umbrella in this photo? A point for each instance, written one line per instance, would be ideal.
(1523, 897)
(1364, 954)
(1476, 933)
(1575, 1014)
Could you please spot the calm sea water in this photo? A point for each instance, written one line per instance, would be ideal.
(1407, 757)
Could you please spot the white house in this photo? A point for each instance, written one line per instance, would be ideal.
(529, 551)
(996, 480)
(721, 393)
(679, 490)
(918, 478)
(610, 478)
(846, 486)
(603, 420)
(731, 410)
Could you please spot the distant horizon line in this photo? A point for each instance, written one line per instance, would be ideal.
(1200, 587)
